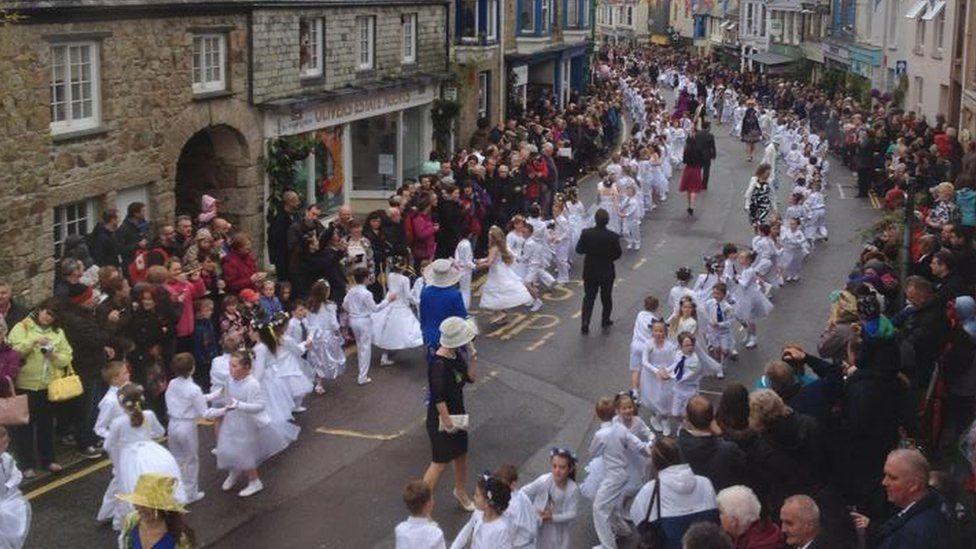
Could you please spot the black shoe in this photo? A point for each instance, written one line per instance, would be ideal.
(691, 212)
(606, 324)
(585, 330)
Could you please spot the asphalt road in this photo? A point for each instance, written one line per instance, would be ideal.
(339, 486)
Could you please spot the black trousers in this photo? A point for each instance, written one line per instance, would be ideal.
(40, 430)
(864, 181)
(590, 288)
(706, 170)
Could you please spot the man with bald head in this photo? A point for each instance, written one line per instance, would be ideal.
(709, 455)
(920, 521)
(800, 522)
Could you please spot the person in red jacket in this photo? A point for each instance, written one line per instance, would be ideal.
(740, 512)
(240, 269)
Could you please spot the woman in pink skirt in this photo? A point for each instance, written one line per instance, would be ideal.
(691, 177)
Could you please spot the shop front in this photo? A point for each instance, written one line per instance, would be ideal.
(365, 143)
(552, 73)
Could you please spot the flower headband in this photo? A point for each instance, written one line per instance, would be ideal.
(562, 452)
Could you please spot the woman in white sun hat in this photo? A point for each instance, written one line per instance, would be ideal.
(449, 371)
(439, 300)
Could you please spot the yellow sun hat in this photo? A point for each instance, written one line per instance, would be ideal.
(154, 491)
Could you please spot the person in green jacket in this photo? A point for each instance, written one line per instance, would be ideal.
(47, 355)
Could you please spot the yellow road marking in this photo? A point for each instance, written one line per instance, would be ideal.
(359, 434)
(509, 324)
(577, 314)
(558, 293)
(542, 341)
(67, 479)
(639, 263)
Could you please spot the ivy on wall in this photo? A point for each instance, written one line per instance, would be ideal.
(279, 164)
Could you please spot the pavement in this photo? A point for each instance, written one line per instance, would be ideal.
(340, 484)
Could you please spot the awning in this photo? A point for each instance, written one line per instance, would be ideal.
(916, 9)
(770, 58)
(934, 11)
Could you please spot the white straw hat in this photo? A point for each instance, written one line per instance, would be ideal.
(441, 273)
(457, 332)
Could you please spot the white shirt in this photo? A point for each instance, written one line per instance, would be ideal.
(359, 302)
(108, 409)
(613, 441)
(419, 533)
(184, 399)
(484, 535)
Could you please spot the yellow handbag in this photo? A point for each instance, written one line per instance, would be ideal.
(65, 387)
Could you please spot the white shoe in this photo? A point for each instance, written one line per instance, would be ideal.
(720, 375)
(751, 343)
(196, 497)
(252, 488)
(231, 480)
(366, 381)
(536, 305)
(385, 361)
(213, 451)
(299, 409)
(319, 389)
(734, 356)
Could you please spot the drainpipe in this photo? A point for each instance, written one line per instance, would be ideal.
(502, 73)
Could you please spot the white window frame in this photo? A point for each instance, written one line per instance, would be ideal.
(572, 15)
(491, 25)
(483, 81)
(200, 62)
(546, 15)
(69, 123)
(365, 58)
(938, 32)
(919, 35)
(315, 26)
(62, 225)
(408, 30)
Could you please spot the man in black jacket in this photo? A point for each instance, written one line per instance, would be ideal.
(133, 234)
(600, 247)
(102, 244)
(288, 214)
(709, 455)
(705, 142)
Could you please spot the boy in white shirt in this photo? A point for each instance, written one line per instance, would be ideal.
(116, 374)
(185, 404)
(360, 306)
(418, 531)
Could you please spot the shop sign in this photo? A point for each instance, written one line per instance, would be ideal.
(901, 67)
(341, 111)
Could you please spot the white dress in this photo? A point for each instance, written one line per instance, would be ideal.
(636, 463)
(137, 453)
(654, 393)
(514, 242)
(15, 511)
(478, 534)
(750, 303)
(523, 520)
(576, 213)
(325, 354)
(503, 289)
(247, 435)
(395, 327)
(607, 200)
(289, 366)
(277, 394)
(641, 338)
(564, 503)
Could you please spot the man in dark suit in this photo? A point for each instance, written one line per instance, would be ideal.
(705, 142)
(800, 522)
(600, 247)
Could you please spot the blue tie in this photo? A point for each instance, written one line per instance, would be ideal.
(679, 369)
(718, 312)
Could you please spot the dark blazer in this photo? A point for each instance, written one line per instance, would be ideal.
(600, 247)
(922, 525)
(706, 146)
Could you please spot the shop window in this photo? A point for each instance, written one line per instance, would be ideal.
(310, 40)
(209, 60)
(415, 141)
(319, 178)
(374, 153)
(408, 25)
(365, 43)
(75, 96)
(71, 219)
(527, 16)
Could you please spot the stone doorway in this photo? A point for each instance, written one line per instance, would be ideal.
(213, 161)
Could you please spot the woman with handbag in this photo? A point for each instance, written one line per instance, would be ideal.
(674, 500)
(47, 357)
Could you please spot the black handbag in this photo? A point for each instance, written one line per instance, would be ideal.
(650, 532)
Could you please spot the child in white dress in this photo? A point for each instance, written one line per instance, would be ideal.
(325, 354)
(131, 446)
(630, 217)
(286, 354)
(514, 241)
(522, 518)
(503, 289)
(536, 258)
(555, 497)
(278, 401)
(395, 327)
(795, 248)
(680, 289)
(816, 227)
(653, 375)
(627, 416)
(487, 529)
(464, 263)
(767, 257)
(684, 319)
(702, 288)
(15, 511)
(642, 331)
(116, 374)
(576, 212)
(751, 303)
(247, 437)
(419, 531)
(185, 405)
(560, 235)
(359, 305)
(718, 316)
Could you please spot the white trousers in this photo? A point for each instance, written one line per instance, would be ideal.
(607, 518)
(465, 284)
(183, 441)
(362, 330)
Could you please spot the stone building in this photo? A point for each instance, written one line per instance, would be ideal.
(358, 77)
(478, 62)
(107, 102)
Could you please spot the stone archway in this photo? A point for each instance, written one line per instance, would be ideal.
(213, 161)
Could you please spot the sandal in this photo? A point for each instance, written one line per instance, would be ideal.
(463, 500)
(54, 467)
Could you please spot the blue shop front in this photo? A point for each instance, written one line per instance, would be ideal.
(552, 72)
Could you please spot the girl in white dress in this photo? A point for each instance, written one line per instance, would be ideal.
(395, 327)
(750, 302)
(664, 147)
(15, 511)
(659, 175)
(642, 331)
(522, 518)
(684, 318)
(680, 289)
(464, 263)
(576, 213)
(131, 446)
(286, 354)
(767, 257)
(560, 235)
(677, 142)
(645, 177)
(653, 375)
(686, 371)
(555, 496)
(325, 354)
(486, 529)
(607, 199)
(636, 464)
(515, 242)
(706, 281)
(247, 437)
(503, 289)
(278, 401)
(795, 248)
